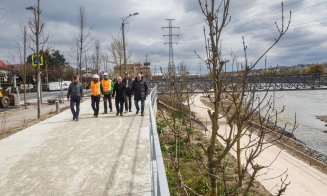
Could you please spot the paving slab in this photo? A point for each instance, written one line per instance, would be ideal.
(108, 155)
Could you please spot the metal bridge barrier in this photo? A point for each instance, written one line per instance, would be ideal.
(159, 183)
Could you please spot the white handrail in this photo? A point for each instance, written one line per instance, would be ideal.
(159, 182)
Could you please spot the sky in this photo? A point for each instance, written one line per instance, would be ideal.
(304, 43)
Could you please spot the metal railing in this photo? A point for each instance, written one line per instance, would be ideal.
(159, 183)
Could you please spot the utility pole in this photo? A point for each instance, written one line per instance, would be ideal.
(171, 64)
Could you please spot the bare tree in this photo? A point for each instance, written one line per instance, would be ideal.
(81, 39)
(236, 102)
(23, 61)
(97, 55)
(117, 53)
(37, 26)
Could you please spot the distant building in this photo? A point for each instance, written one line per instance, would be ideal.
(133, 69)
(6, 72)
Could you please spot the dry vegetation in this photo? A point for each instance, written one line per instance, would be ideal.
(191, 177)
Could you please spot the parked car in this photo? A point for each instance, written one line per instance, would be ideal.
(28, 86)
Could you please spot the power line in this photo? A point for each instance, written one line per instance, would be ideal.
(171, 64)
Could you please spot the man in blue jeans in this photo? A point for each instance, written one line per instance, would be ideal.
(75, 93)
(140, 91)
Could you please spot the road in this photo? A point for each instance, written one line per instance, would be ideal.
(305, 180)
(31, 97)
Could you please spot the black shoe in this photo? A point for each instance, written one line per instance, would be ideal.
(77, 119)
(130, 110)
(142, 114)
(74, 118)
(105, 112)
(121, 114)
(110, 110)
(137, 111)
(94, 114)
(117, 114)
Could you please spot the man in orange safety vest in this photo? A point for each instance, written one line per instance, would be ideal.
(106, 90)
(95, 94)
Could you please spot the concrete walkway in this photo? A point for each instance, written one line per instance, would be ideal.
(305, 180)
(108, 155)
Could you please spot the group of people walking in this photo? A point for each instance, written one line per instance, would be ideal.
(120, 89)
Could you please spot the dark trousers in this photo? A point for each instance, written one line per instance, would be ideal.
(137, 105)
(107, 98)
(75, 101)
(119, 105)
(95, 101)
(128, 102)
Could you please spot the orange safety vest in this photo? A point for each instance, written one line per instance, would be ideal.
(106, 85)
(95, 88)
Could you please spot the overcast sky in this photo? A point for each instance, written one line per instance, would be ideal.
(305, 42)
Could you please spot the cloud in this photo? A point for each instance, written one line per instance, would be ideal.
(253, 19)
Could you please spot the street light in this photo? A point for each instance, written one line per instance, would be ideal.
(123, 30)
(35, 25)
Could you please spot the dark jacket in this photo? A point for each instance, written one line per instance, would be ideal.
(139, 89)
(75, 90)
(129, 84)
(119, 91)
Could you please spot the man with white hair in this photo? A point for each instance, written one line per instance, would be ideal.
(95, 94)
(106, 87)
(119, 91)
(140, 91)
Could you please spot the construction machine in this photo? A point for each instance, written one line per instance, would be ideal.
(7, 98)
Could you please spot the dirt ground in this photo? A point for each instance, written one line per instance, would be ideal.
(18, 118)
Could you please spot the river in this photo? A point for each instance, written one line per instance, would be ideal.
(306, 104)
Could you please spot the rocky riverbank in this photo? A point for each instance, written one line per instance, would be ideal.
(323, 118)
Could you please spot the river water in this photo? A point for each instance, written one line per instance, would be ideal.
(306, 104)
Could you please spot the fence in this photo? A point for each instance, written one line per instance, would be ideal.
(159, 182)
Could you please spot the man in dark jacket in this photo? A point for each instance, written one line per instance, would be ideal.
(119, 92)
(140, 91)
(128, 98)
(75, 92)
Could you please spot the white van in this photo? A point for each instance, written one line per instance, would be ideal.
(54, 86)
(65, 84)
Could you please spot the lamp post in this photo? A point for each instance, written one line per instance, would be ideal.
(123, 30)
(35, 25)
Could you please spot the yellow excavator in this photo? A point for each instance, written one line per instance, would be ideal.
(7, 98)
